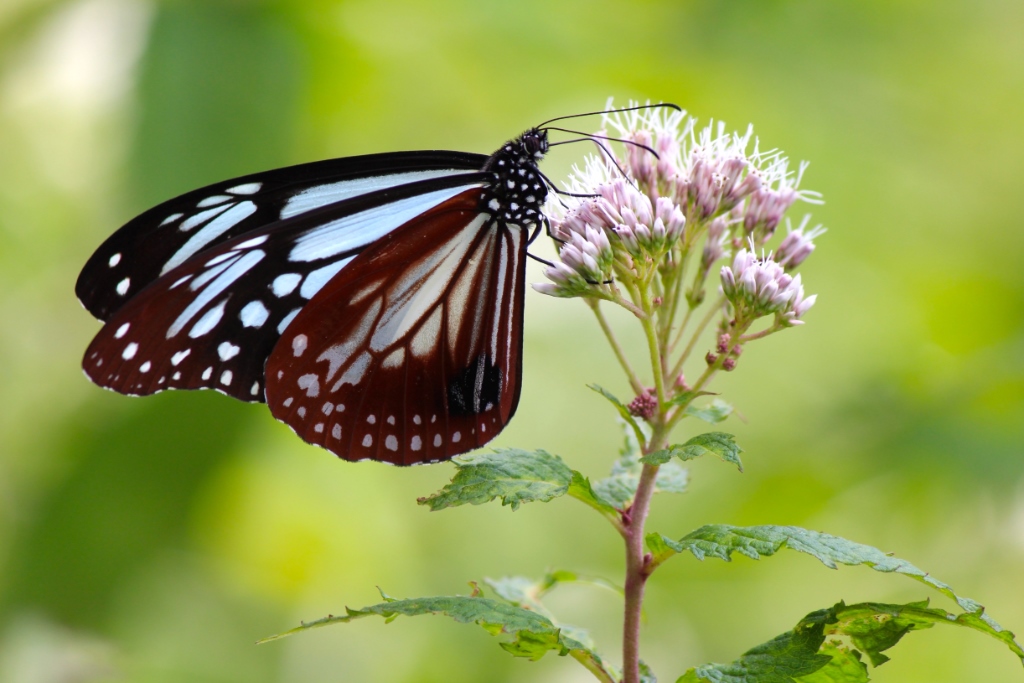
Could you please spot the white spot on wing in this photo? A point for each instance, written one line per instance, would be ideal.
(130, 351)
(208, 320)
(226, 350)
(145, 366)
(336, 431)
(285, 284)
(248, 244)
(394, 359)
(425, 340)
(170, 219)
(391, 443)
(122, 286)
(437, 440)
(368, 440)
(456, 437)
(299, 344)
(213, 201)
(253, 314)
(225, 378)
(208, 373)
(416, 443)
(114, 260)
(318, 427)
(180, 356)
(246, 188)
(122, 330)
(255, 388)
(311, 383)
(372, 419)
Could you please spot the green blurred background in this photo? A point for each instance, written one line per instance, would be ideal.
(155, 540)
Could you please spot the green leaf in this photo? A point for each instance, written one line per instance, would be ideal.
(580, 489)
(516, 476)
(722, 540)
(623, 411)
(687, 396)
(533, 634)
(803, 655)
(714, 413)
(527, 593)
(780, 660)
(714, 443)
(846, 666)
(619, 488)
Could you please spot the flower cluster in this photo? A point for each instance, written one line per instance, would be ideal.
(673, 222)
(624, 217)
(761, 286)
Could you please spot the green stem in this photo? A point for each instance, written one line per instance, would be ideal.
(705, 321)
(634, 381)
(652, 347)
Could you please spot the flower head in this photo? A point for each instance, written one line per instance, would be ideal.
(760, 286)
(797, 245)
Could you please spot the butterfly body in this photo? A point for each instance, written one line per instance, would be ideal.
(375, 303)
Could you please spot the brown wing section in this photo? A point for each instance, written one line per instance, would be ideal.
(413, 352)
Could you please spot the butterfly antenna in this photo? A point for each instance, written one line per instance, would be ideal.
(667, 105)
(607, 152)
(593, 136)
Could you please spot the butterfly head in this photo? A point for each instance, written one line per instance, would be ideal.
(518, 190)
(535, 142)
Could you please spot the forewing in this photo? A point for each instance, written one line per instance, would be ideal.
(413, 352)
(166, 236)
(212, 321)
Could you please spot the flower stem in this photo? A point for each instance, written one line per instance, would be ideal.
(705, 321)
(636, 573)
(652, 347)
(634, 381)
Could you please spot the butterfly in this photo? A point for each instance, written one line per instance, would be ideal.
(375, 303)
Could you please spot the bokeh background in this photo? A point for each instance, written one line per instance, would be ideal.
(155, 540)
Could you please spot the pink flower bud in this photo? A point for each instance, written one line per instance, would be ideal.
(645, 405)
(797, 246)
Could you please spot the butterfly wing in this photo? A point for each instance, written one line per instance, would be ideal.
(166, 236)
(413, 353)
(212, 321)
